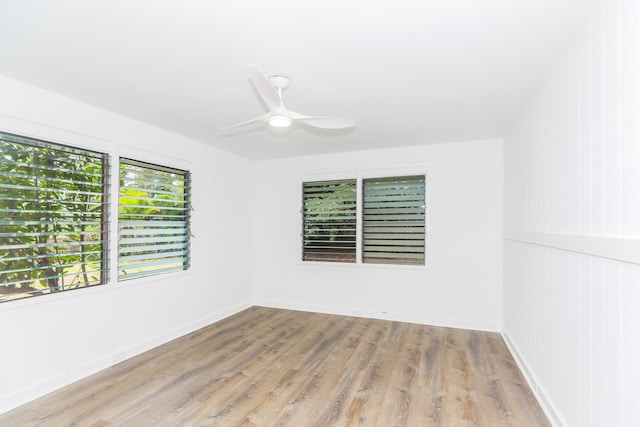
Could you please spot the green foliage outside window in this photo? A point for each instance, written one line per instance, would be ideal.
(329, 221)
(153, 219)
(53, 219)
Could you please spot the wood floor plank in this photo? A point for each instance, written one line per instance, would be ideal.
(271, 367)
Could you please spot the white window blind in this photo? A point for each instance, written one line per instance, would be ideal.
(329, 221)
(153, 219)
(394, 220)
(53, 217)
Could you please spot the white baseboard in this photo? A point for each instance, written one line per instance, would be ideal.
(34, 391)
(538, 390)
(398, 317)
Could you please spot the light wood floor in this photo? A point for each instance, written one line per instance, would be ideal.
(269, 367)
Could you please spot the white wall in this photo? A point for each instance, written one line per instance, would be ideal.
(572, 215)
(51, 340)
(462, 286)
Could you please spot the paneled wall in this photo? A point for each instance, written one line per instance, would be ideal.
(572, 227)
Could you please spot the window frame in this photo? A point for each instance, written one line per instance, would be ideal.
(335, 250)
(360, 175)
(395, 219)
(112, 151)
(101, 159)
(186, 263)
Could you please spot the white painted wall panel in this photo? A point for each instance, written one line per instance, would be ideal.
(612, 115)
(629, 120)
(582, 72)
(572, 158)
(573, 321)
(630, 349)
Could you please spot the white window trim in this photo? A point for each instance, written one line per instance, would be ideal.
(151, 157)
(359, 175)
(56, 135)
(127, 151)
(121, 278)
(80, 142)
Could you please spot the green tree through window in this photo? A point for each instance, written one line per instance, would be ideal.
(153, 219)
(392, 219)
(53, 217)
(329, 221)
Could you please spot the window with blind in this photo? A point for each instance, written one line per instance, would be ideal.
(393, 225)
(53, 217)
(329, 221)
(391, 219)
(153, 219)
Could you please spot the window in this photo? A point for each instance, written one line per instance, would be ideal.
(53, 217)
(329, 221)
(153, 219)
(393, 226)
(392, 220)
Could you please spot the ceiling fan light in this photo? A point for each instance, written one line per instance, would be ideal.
(279, 121)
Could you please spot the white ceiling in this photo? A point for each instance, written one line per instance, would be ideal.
(408, 71)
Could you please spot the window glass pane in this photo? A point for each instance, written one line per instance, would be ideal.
(153, 220)
(394, 220)
(53, 217)
(329, 221)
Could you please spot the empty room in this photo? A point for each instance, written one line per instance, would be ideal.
(349, 213)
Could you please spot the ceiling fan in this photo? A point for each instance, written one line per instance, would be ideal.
(270, 91)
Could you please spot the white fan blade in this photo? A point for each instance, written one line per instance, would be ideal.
(325, 122)
(266, 90)
(250, 124)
